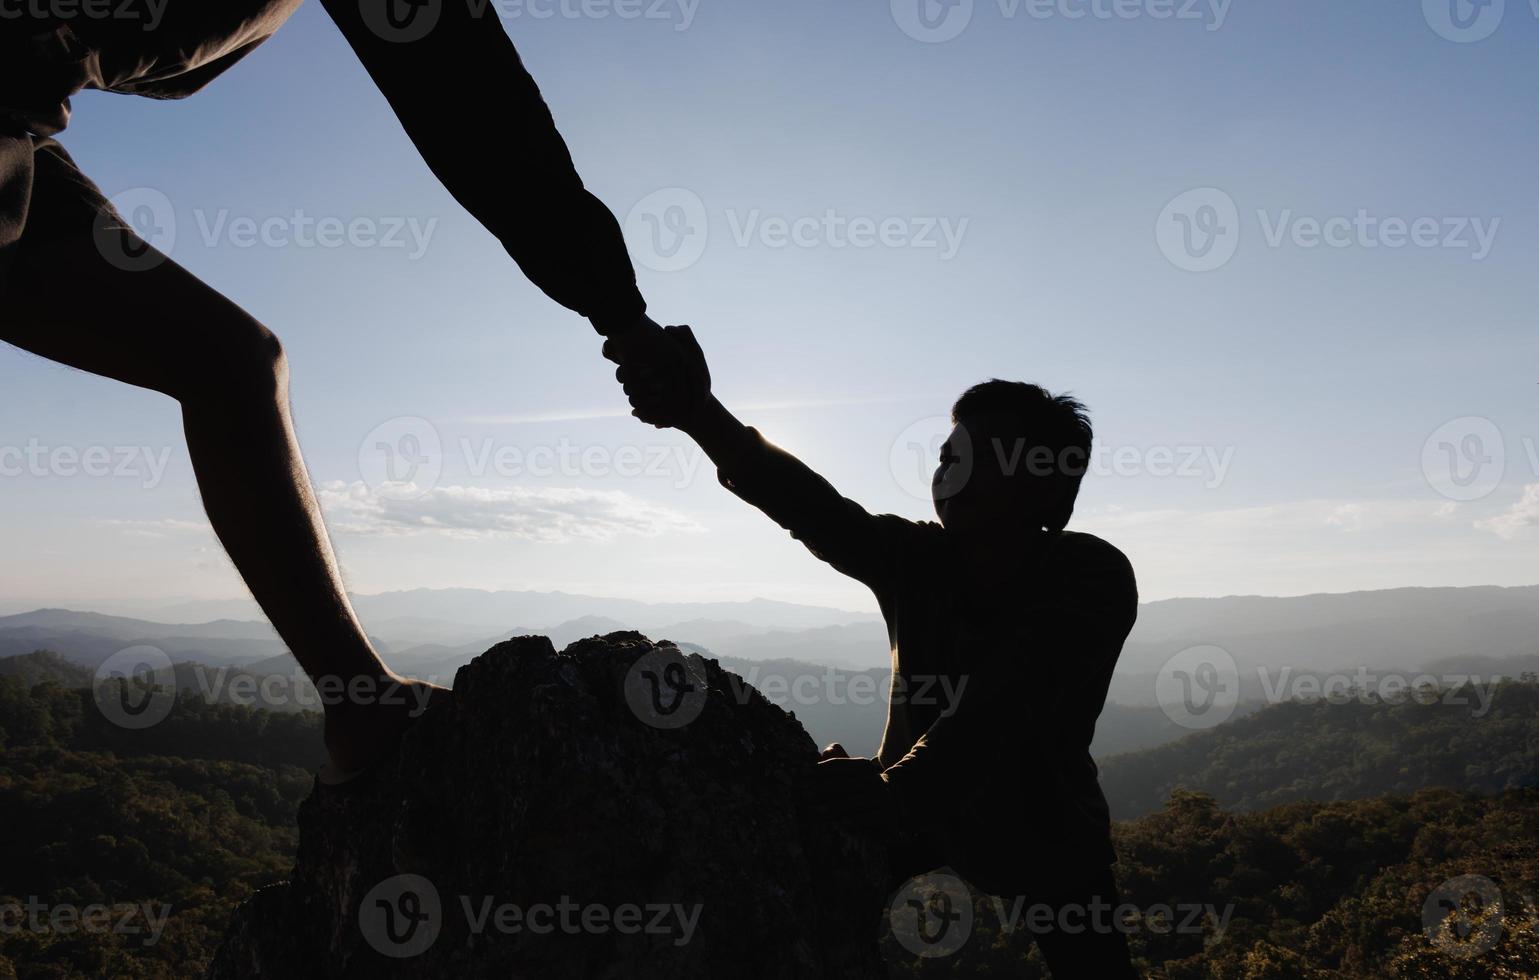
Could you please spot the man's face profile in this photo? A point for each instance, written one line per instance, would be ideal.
(983, 482)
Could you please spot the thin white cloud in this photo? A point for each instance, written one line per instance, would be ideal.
(157, 528)
(1289, 518)
(586, 415)
(545, 514)
(1515, 521)
(529, 418)
(1348, 517)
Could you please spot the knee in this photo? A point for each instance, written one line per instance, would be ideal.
(249, 363)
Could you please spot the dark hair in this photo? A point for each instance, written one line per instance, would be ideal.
(1058, 424)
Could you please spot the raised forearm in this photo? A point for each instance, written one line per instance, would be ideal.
(669, 385)
(465, 99)
(716, 430)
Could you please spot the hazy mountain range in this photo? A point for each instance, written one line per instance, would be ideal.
(1403, 629)
(841, 657)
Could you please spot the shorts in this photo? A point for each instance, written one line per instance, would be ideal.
(45, 60)
(44, 197)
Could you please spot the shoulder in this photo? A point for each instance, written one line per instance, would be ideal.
(908, 538)
(1077, 546)
(915, 534)
(1077, 556)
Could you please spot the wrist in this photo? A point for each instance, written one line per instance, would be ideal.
(624, 326)
(704, 419)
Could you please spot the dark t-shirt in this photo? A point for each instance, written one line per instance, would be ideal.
(993, 706)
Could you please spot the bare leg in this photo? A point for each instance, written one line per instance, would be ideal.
(165, 330)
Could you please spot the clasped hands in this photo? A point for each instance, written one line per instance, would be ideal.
(663, 371)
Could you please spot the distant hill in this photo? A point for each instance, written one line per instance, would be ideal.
(850, 645)
(44, 666)
(1399, 629)
(1467, 740)
(1392, 629)
(834, 705)
(488, 612)
(88, 638)
(125, 628)
(1449, 632)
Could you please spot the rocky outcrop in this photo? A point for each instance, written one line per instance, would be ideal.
(613, 810)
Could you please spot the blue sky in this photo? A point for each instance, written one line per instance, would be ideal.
(871, 221)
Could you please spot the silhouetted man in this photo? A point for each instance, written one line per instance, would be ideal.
(1004, 629)
(78, 286)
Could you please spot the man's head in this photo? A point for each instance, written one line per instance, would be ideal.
(1013, 461)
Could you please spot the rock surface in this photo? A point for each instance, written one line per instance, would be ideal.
(613, 810)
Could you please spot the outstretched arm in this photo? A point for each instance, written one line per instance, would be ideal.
(464, 97)
(833, 527)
